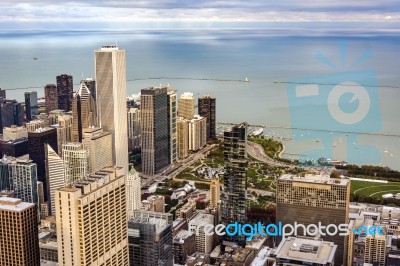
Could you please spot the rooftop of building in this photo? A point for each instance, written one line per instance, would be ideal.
(182, 236)
(207, 96)
(262, 257)
(187, 95)
(178, 222)
(154, 90)
(108, 48)
(41, 130)
(95, 180)
(20, 160)
(316, 179)
(307, 250)
(256, 242)
(160, 220)
(13, 204)
(241, 254)
(202, 218)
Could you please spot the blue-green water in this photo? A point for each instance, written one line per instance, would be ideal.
(260, 55)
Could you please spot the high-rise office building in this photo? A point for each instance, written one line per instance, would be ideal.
(314, 199)
(133, 192)
(14, 132)
(187, 211)
(64, 130)
(51, 97)
(150, 239)
(31, 105)
(36, 142)
(197, 133)
(11, 113)
(24, 180)
(91, 85)
(155, 131)
(54, 175)
(5, 182)
(172, 132)
(19, 240)
(83, 112)
(14, 142)
(35, 124)
(183, 245)
(233, 197)
(91, 220)
(65, 89)
(155, 203)
(204, 242)
(76, 163)
(375, 250)
(182, 138)
(134, 134)
(207, 109)
(111, 99)
(2, 94)
(186, 105)
(55, 114)
(99, 144)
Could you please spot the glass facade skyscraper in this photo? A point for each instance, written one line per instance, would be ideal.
(233, 197)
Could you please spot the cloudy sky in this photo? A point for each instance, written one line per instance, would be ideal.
(187, 12)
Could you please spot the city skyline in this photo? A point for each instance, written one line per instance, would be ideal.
(258, 133)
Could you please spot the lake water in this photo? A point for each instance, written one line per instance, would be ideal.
(217, 62)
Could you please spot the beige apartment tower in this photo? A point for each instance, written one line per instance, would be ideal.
(197, 133)
(110, 68)
(186, 105)
(99, 145)
(91, 220)
(375, 250)
(182, 126)
(314, 199)
(133, 192)
(215, 193)
(64, 130)
(19, 242)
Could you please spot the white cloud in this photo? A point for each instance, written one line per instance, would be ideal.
(201, 11)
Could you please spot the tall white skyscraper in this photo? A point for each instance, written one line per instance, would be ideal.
(110, 70)
(133, 194)
(54, 174)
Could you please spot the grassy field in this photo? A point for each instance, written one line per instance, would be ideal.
(375, 190)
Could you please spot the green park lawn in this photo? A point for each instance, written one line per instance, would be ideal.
(375, 190)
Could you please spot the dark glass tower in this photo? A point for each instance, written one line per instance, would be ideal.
(50, 94)
(155, 131)
(150, 239)
(207, 108)
(31, 105)
(2, 94)
(11, 113)
(233, 196)
(36, 142)
(65, 88)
